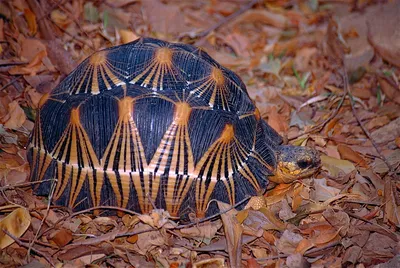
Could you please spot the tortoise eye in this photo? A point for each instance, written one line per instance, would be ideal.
(304, 163)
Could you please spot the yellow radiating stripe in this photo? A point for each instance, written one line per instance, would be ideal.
(247, 174)
(96, 178)
(125, 161)
(124, 179)
(95, 81)
(44, 162)
(112, 146)
(144, 195)
(113, 78)
(62, 179)
(103, 76)
(203, 202)
(83, 79)
(78, 179)
(75, 139)
(174, 202)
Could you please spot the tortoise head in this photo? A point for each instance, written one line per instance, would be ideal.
(295, 162)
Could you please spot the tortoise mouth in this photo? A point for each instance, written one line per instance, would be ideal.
(295, 162)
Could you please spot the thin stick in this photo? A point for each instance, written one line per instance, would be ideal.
(202, 35)
(310, 251)
(88, 210)
(10, 83)
(53, 186)
(212, 216)
(365, 130)
(392, 234)
(27, 245)
(326, 121)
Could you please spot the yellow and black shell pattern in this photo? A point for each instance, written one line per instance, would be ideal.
(151, 124)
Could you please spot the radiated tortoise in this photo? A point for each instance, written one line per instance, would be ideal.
(152, 123)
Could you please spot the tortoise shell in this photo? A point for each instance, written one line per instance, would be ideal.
(151, 123)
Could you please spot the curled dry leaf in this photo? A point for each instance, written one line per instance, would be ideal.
(336, 167)
(16, 116)
(392, 210)
(16, 223)
(158, 218)
(31, 20)
(296, 260)
(60, 237)
(32, 68)
(304, 245)
(147, 240)
(354, 29)
(379, 166)
(322, 191)
(387, 133)
(203, 231)
(233, 233)
(346, 153)
(352, 255)
(389, 89)
(165, 19)
(213, 262)
(288, 242)
(338, 219)
(262, 16)
(127, 36)
(384, 36)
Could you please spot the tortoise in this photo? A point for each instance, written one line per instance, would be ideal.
(152, 123)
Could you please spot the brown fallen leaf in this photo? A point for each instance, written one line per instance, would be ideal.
(16, 116)
(385, 36)
(389, 89)
(288, 242)
(233, 233)
(261, 16)
(127, 36)
(392, 210)
(354, 29)
(338, 219)
(32, 68)
(16, 223)
(60, 237)
(252, 263)
(213, 262)
(163, 18)
(337, 167)
(304, 245)
(352, 255)
(346, 153)
(79, 251)
(323, 192)
(203, 231)
(31, 19)
(392, 157)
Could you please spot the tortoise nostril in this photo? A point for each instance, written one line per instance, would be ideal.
(304, 163)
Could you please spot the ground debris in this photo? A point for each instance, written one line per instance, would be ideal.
(292, 55)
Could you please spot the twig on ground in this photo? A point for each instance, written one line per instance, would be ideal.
(88, 210)
(390, 233)
(18, 185)
(326, 121)
(212, 216)
(364, 129)
(27, 245)
(10, 83)
(53, 186)
(310, 251)
(202, 35)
